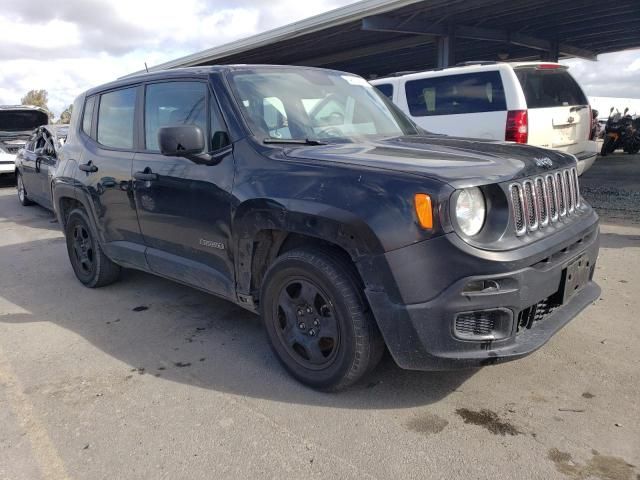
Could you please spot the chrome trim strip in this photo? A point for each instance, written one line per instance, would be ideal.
(518, 188)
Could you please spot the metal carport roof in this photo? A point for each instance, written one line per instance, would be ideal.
(375, 37)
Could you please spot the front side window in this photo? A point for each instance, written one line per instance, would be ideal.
(172, 104)
(456, 94)
(115, 118)
(299, 104)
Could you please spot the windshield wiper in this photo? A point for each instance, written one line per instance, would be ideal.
(293, 141)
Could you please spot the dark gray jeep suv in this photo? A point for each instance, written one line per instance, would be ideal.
(305, 196)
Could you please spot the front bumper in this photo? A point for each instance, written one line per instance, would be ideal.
(421, 335)
(585, 161)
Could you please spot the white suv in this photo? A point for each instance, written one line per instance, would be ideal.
(538, 103)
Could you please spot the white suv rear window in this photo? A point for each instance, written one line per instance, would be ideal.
(544, 88)
(455, 94)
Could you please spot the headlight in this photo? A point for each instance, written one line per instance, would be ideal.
(471, 211)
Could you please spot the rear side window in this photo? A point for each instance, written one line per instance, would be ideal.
(87, 116)
(115, 118)
(456, 94)
(386, 89)
(549, 88)
(171, 104)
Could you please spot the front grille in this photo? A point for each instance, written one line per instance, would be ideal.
(474, 323)
(537, 312)
(539, 201)
(484, 325)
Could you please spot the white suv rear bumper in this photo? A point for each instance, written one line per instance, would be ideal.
(7, 163)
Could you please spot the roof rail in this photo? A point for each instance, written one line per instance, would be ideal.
(476, 62)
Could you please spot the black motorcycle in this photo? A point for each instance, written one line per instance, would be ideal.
(631, 135)
(621, 131)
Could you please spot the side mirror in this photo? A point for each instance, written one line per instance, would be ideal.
(626, 110)
(611, 111)
(181, 140)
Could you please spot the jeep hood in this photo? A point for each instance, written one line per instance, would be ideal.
(460, 162)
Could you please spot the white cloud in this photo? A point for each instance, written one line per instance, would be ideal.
(613, 75)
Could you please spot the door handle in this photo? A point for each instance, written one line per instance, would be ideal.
(146, 176)
(88, 167)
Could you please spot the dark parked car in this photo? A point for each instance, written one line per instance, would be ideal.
(304, 195)
(17, 122)
(36, 163)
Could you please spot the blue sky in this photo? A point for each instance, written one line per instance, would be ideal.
(78, 44)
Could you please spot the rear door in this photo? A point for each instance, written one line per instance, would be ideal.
(465, 105)
(558, 110)
(105, 172)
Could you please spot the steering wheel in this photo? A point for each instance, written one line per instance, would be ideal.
(330, 132)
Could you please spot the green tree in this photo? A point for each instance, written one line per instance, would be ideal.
(37, 98)
(65, 116)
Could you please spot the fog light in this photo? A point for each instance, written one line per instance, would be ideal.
(483, 325)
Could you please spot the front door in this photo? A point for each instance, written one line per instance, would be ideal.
(183, 205)
(46, 161)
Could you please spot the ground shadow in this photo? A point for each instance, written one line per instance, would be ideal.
(617, 240)
(33, 216)
(187, 336)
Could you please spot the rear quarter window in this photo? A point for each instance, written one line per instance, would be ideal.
(456, 94)
(550, 88)
(386, 89)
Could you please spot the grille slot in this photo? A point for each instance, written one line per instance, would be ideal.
(517, 204)
(542, 201)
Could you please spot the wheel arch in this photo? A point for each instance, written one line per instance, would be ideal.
(265, 228)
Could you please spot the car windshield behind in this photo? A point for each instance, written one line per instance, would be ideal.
(302, 104)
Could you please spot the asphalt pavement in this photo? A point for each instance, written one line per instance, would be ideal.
(148, 379)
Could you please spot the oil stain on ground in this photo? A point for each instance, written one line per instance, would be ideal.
(603, 467)
(489, 420)
(427, 424)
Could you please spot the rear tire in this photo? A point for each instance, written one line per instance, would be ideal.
(91, 266)
(318, 320)
(22, 191)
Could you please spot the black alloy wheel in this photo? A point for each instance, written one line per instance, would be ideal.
(306, 323)
(318, 320)
(91, 266)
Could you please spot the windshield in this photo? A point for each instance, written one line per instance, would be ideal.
(301, 104)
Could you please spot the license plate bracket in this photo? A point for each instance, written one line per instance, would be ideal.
(576, 276)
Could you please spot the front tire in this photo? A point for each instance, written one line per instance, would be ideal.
(91, 266)
(22, 191)
(318, 321)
